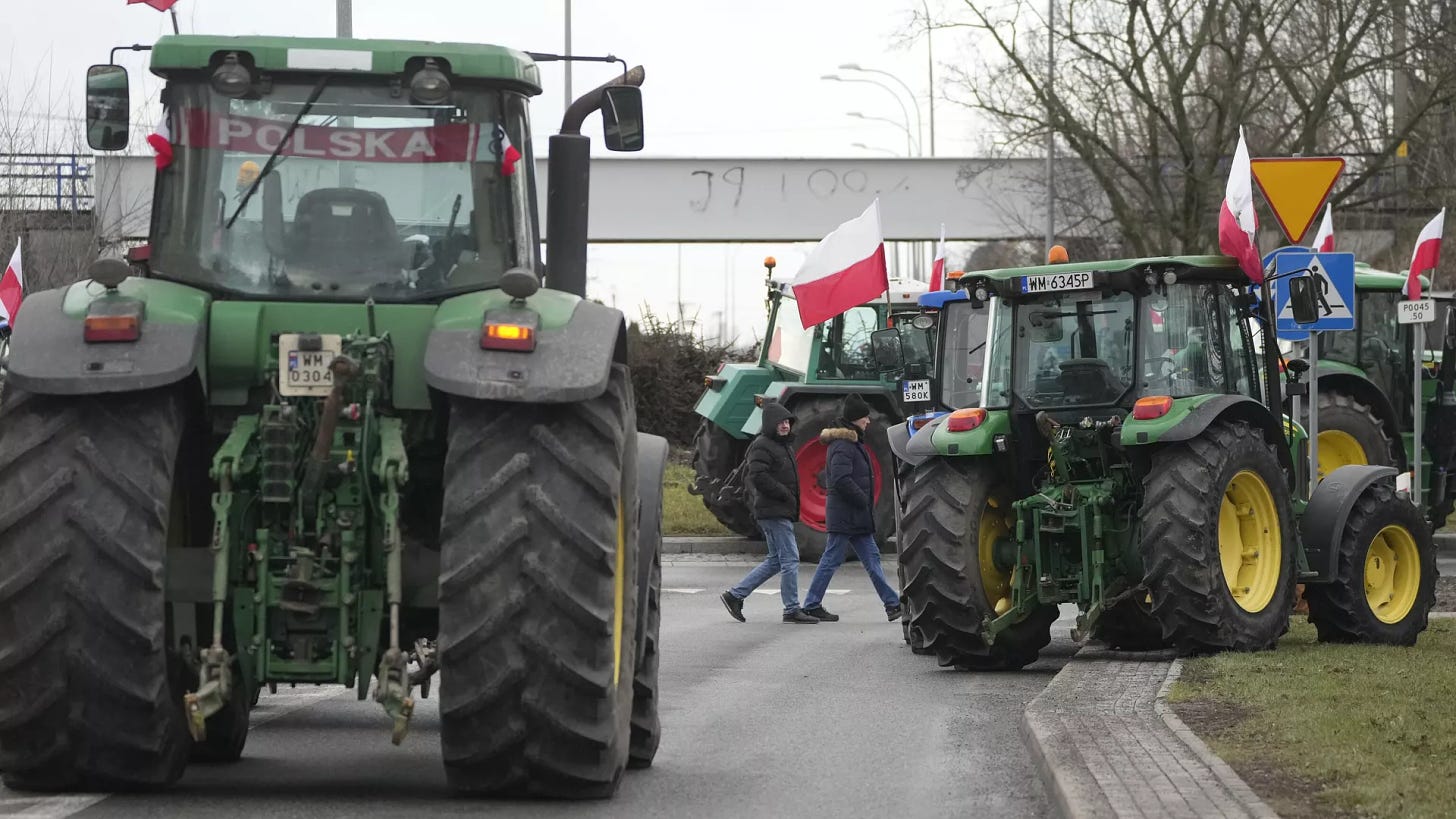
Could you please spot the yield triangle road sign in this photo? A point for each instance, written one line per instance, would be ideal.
(1295, 188)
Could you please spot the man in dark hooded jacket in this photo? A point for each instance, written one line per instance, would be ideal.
(773, 487)
(850, 511)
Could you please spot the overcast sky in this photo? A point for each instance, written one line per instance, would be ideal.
(723, 79)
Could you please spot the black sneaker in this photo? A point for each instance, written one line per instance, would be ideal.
(820, 613)
(893, 612)
(800, 616)
(734, 606)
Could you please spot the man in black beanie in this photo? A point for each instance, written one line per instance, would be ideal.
(850, 513)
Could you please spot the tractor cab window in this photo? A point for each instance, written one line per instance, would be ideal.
(1195, 343)
(372, 194)
(1075, 349)
(845, 345)
(965, 353)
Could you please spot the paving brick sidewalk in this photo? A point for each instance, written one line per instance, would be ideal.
(1107, 745)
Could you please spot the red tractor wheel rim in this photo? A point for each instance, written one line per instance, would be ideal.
(813, 499)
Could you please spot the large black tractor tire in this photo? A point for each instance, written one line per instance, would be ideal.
(913, 637)
(813, 415)
(646, 725)
(950, 510)
(227, 730)
(1228, 479)
(1351, 433)
(1385, 575)
(538, 592)
(88, 486)
(715, 455)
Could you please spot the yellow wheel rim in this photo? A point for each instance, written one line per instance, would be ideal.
(1337, 449)
(994, 525)
(1392, 574)
(1249, 546)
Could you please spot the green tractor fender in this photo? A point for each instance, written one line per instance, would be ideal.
(49, 354)
(1329, 507)
(936, 438)
(727, 400)
(785, 392)
(1189, 417)
(577, 341)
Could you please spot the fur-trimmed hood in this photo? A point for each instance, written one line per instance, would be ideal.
(838, 434)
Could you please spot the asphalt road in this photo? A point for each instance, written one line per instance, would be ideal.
(760, 719)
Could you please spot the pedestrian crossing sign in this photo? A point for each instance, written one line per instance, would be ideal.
(1334, 275)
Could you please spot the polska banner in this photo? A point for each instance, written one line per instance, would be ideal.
(460, 142)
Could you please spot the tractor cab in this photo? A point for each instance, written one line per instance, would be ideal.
(1090, 344)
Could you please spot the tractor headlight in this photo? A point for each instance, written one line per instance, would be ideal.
(429, 85)
(232, 79)
(922, 322)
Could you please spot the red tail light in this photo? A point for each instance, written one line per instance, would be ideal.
(510, 330)
(1154, 406)
(965, 420)
(110, 320)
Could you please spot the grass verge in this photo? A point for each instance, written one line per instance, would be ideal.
(1333, 730)
(683, 513)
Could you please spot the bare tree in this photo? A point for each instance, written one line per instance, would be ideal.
(1149, 96)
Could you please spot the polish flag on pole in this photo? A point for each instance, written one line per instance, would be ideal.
(937, 270)
(1427, 255)
(1237, 224)
(161, 141)
(845, 270)
(1324, 238)
(159, 5)
(12, 286)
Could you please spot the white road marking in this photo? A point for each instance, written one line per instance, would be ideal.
(681, 591)
(826, 591)
(51, 807)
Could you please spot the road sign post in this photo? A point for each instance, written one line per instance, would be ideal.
(1417, 312)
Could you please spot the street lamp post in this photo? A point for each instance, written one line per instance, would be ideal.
(872, 148)
(919, 133)
(929, 74)
(911, 148)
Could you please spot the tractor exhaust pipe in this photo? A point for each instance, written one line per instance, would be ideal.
(568, 188)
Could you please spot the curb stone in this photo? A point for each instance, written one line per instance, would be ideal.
(1106, 744)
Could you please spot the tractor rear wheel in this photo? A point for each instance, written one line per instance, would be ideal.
(954, 515)
(646, 726)
(814, 414)
(1218, 541)
(1350, 433)
(1385, 575)
(715, 455)
(89, 698)
(538, 591)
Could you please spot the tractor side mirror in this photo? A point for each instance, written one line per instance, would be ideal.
(886, 347)
(622, 117)
(108, 108)
(1302, 300)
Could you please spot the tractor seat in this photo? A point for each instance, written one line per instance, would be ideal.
(345, 230)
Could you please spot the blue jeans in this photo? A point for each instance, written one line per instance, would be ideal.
(783, 560)
(834, 551)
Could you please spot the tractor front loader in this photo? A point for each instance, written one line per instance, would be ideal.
(331, 427)
(1109, 445)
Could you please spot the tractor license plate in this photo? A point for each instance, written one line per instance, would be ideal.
(306, 372)
(917, 391)
(1054, 282)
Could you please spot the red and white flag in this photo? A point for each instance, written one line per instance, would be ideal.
(161, 141)
(1427, 255)
(937, 269)
(159, 5)
(845, 270)
(1324, 238)
(509, 156)
(12, 288)
(1237, 224)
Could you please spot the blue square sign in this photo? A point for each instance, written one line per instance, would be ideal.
(1334, 275)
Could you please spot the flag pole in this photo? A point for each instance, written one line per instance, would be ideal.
(175, 29)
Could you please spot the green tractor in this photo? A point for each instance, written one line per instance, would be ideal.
(1107, 446)
(329, 428)
(1363, 385)
(809, 370)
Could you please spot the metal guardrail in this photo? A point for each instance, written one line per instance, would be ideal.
(46, 181)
